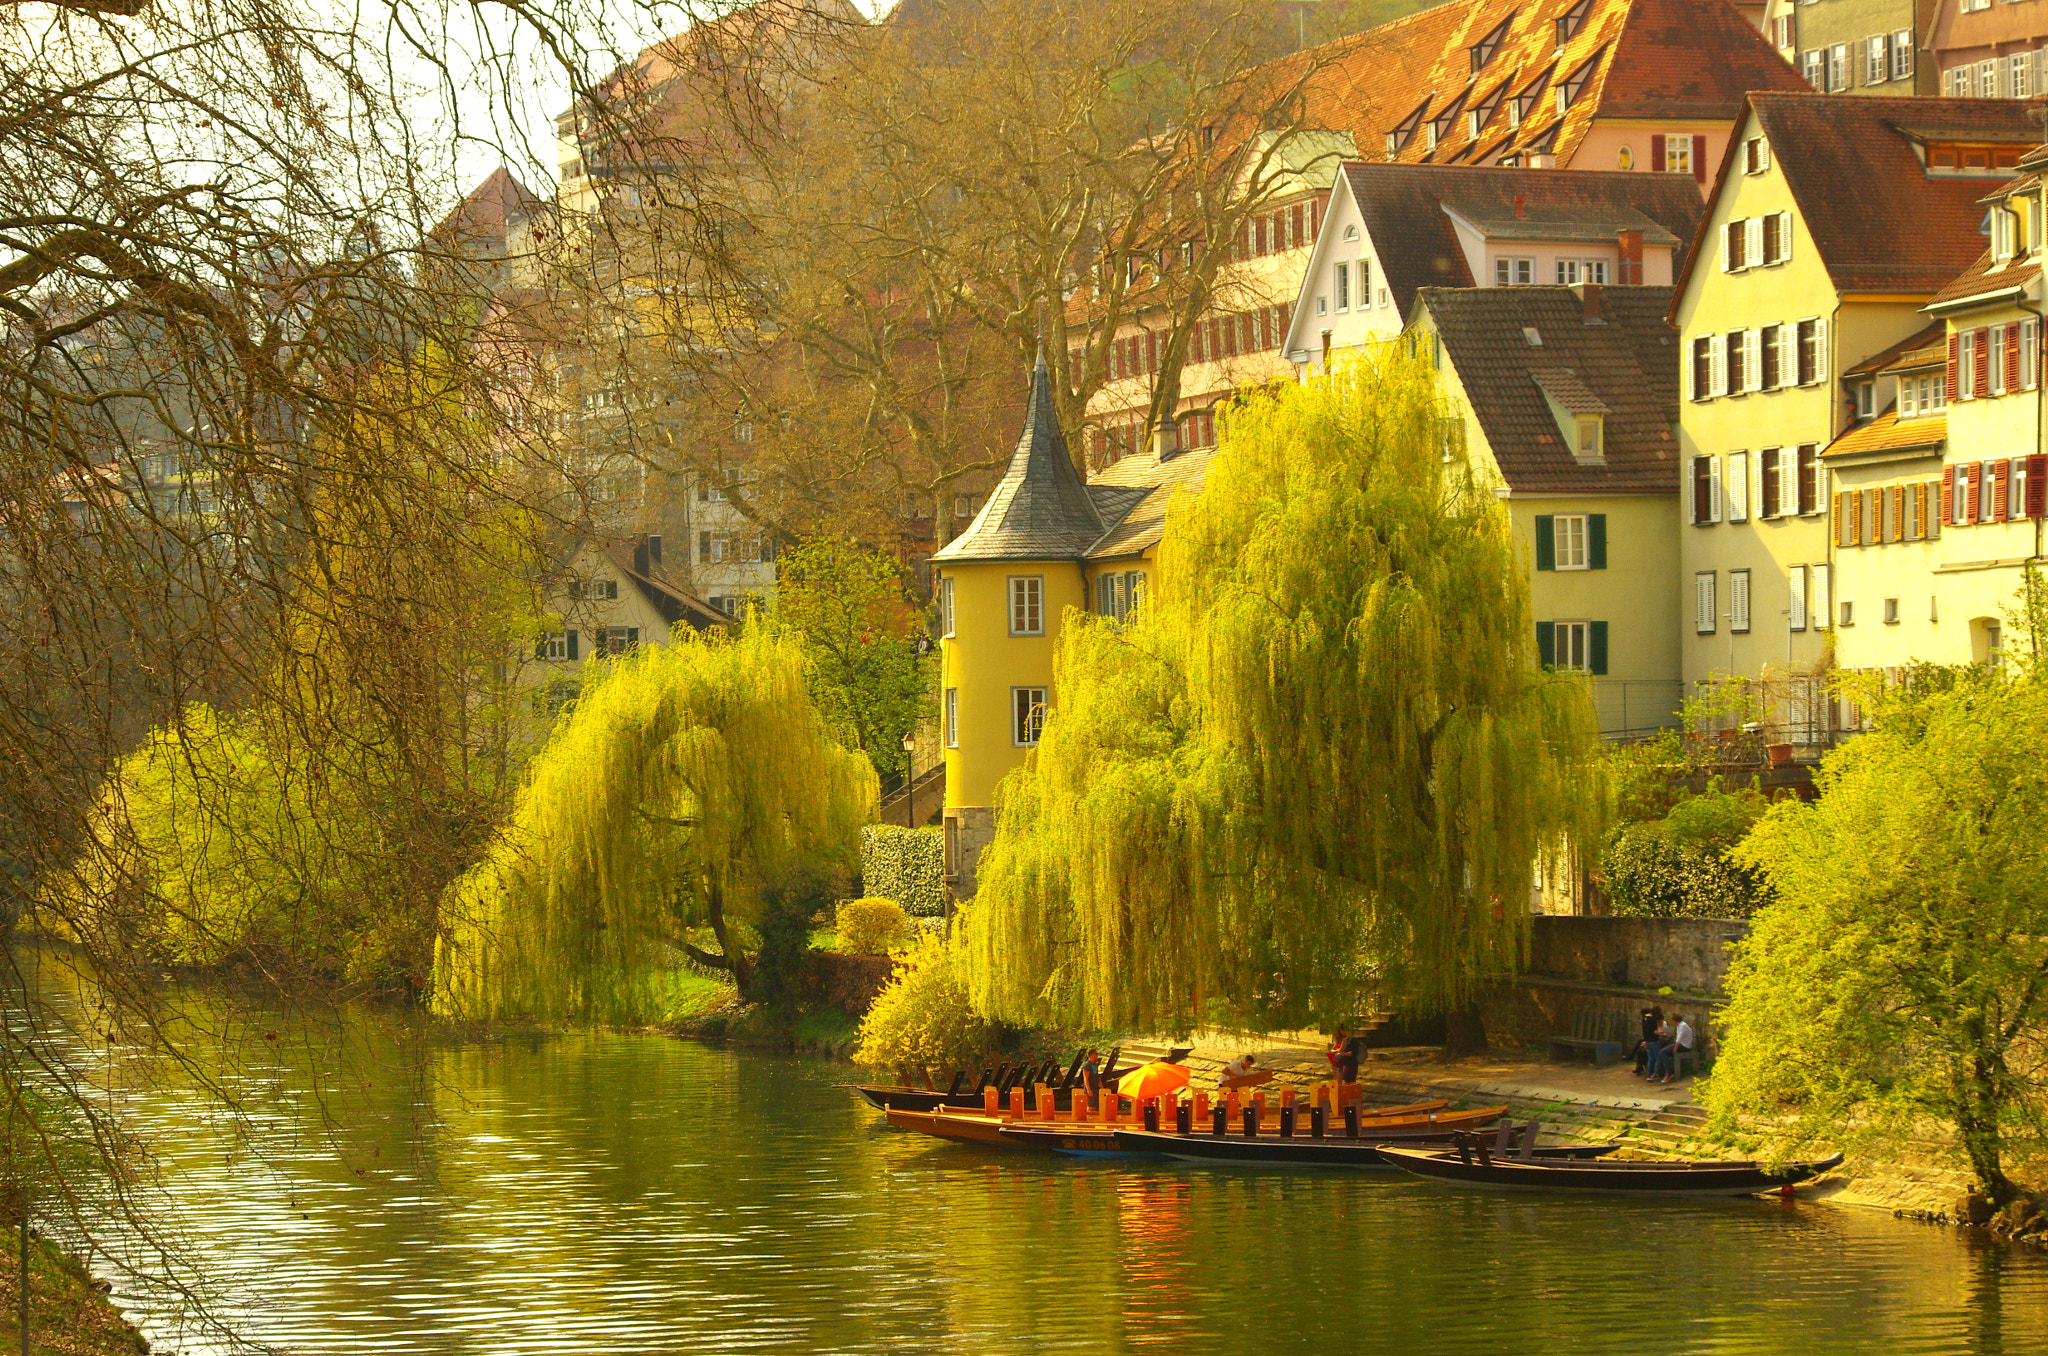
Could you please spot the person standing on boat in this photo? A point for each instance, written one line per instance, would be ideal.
(1681, 1039)
(1091, 1074)
(1346, 1053)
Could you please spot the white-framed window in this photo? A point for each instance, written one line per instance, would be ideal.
(1704, 622)
(1902, 54)
(1987, 491)
(1591, 437)
(2030, 354)
(1866, 399)
(594, 590)
(2019, 69)
(1514, 271)
(2016, 495)
(1738, 602)
(1569, 541)
(1838, 66)
(952, 717)
(1795, 611)
(1787, 32)
(1567, 273)
(1027, 716)
(1678, 155)
(713, 546)
(1134, 591)
(1109, 595)
(1756, 155)
(1342, 287)
(946, 606)
(1891, 612)
(2001, 233)
(553, 645)
(1966, 365)
(1877, 59)
(1573, 642)
(1322, 305)
(1813, 65)
(1027, 605)
(1848, 617)
(1998, 333)
(615, 639)
(1958, 82)
(1364, 267)
(1596, 272)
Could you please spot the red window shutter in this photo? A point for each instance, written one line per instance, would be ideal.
(1973, 480)
(1286, 319)
(1955, 390)
(1294, 225)
(2037, 486)
(1315, 225)
(1983, 363)
(1657, 152)
(2000, 491)
(2012, 357)
(1699, 159)
(1151, 350)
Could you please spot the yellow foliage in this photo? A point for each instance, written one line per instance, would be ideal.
(870, 927)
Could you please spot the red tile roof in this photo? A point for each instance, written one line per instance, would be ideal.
(1982, 280)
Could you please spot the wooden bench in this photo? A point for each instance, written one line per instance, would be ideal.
(1601, 1034)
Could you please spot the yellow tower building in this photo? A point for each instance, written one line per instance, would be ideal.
(1043, 543)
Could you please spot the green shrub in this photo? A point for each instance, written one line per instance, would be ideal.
(1649, 876)
(792, 899)
(906, 865)
(923, 1018)
(872, 927)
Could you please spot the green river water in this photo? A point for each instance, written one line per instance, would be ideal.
(636, 1194)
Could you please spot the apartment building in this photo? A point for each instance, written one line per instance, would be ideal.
(1990, 49)
(1391, 230)
(1835, 220)
(1856, 46)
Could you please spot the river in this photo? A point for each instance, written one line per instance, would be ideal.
(634, 1194)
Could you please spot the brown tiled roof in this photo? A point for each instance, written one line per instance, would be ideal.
(1670, 60)
(480, 219)
(1909, 347)
(1980, 279)
(1881, 223)
(1889, 433)
(1143, 522)
(675, 604)
(1563, 385)
(1629, 364)
(1404, 211)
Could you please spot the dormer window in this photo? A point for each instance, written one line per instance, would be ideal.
(1482, 112)
(1589, 446)
(1523, 104)
(1404, 131)
(2002, 222)
(1574, 84)
(1351, 232)
(1483, 50)
(1573, 19)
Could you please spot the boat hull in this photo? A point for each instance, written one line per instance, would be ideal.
(1299, 1152)
(1648, 1179)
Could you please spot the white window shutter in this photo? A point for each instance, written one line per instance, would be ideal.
(1692, 493)
(1738, 486)
(1717, 355)
(1713, 489)
(1784, 237)
(1723, 234)
(1823, 605)
(1820, 486)
(1753, 246)
(1820, 351)
(1753, 358)
(1703, 603)
(1796, 613)
(1788, 481)
(1738, 600)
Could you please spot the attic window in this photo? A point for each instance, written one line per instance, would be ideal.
(1589, 447)
(1440, 126)
(1574, 84)
(1351, 232)
(1404, 131)
(1483, 50)
(1571, 21)
(1482, 112)
(1523, 104)
(1530, 333)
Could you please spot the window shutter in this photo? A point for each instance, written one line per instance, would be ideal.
(1972, 481)
(1753, 248)
(1717, 364)
(1980, 365)
(632, 636)
(2037, 486)
(573, 652)
(1823, 602)
(2012, 357)
(1703, 603)
(1723, 233)
(1930, 526)
(1948, 473)
(1699, 159)
(1713, 489)
(1954, 391)
(1738, 600)
(1696, 501)
(1820, 350)
(2000, 490)
(1598, 646)
(1657, 152)
(1753, 359)
(1854, 502)
(1546, 541)
(1546, 643)
(1784, 238)
(1796, 612)
(1738, 487)
(1841, 522)
(1596, 542)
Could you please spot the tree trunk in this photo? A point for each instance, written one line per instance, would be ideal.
(714, 911)
(1464, 1031)
(1977, 1127)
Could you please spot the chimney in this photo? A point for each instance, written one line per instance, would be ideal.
(1521, 207)
(653, 554)
(1166, 438)
(640, 556)
(1591, 310)
(1630, 271)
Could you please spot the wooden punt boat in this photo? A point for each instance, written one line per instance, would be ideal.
(1088, 1139)
(1301, 1152)
(1469, 1165)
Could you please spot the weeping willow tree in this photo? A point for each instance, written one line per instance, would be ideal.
(683, 780)
(1320, 766)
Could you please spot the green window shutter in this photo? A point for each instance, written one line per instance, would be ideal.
(1546, 544)
(1546, 642)
(1598, 646)
(1596, 541)
(572, 645)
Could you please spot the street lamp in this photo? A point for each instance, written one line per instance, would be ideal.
(910, 780)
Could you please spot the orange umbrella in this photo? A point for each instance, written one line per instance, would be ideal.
(1157, 1079)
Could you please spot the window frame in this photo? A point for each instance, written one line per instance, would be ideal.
(1032, 585)
(1032, 715)
(1579, 535)
(1583, 631)
(952, 717)
(947, 618)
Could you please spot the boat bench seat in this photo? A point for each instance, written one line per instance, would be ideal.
(1600, 1034)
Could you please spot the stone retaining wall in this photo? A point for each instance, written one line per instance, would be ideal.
(1686, 954)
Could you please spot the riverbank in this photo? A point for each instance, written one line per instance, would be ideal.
(1577, 1103)
(69, 1313)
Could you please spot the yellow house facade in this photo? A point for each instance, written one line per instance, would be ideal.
(1834, 220)
(1044, 543)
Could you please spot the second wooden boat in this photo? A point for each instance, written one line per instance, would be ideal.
(1471, 1165)
(1300, 1152)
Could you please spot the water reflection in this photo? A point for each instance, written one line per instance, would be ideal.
(598, 1193)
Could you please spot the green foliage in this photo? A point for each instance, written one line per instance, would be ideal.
(1678, 866)
(861, 633)
(923, 1016)
(797, 894)
(872, 927)
(1902, 972)
(1322, 762)
(906, 865)
(686, 777)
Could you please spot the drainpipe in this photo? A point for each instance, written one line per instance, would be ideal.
(2040, 388)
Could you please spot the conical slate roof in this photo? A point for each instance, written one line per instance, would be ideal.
(1040, 510)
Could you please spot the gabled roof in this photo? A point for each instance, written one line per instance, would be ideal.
(1406, 207)
(1149, 484)
(1982, 282)
(1663, 60)
(1889, 433)
(480, 219)
(1908, 352)
(1879, 220)
(675, 604)
(1040, 510)
(1627, 363)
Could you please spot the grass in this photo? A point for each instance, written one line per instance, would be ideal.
(68, 1316)
(692, 994)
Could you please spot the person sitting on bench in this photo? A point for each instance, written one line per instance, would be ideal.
(1681, 1039)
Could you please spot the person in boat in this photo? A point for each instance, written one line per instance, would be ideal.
(1653, 1017)
(1239, 1067)
(1682, 1038)
(1091, 1073)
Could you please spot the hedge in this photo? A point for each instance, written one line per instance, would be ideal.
(906, 865)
